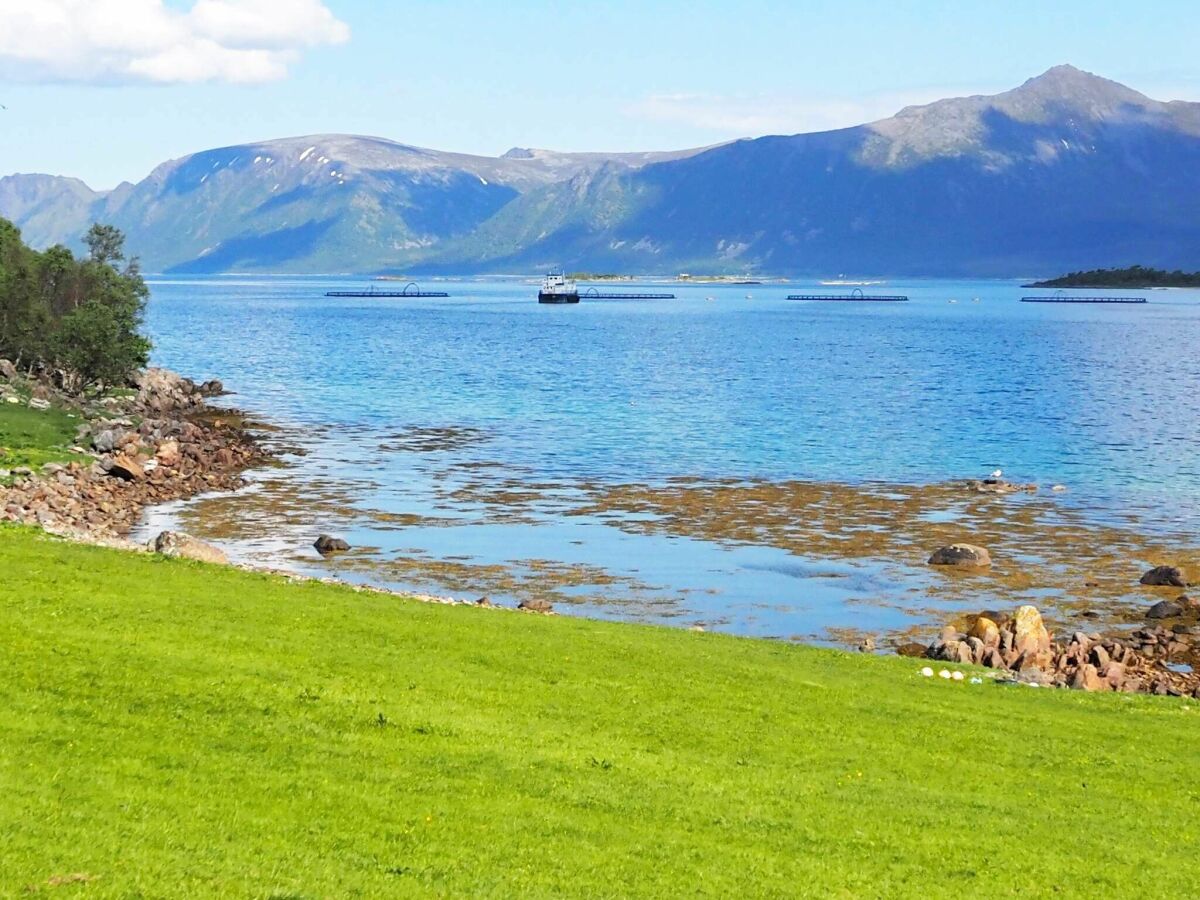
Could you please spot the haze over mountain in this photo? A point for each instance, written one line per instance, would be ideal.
(1067, 171)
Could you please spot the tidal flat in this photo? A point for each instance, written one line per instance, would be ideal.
(738, 463)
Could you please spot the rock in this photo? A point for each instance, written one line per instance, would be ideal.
(1114, 674)
(986, 631)
(977, 649)
(1164, 609)
(1164, 576)
(537, 605)
(168, 453)
(39, 404)
(8, 370)
(105, 441)
(326, 545)
(911, 649)
(867, 645)
(961, 555)
(178, 545)
(1100, 657)
(484, 602)
(212, 388)
(1029, 632)
(1087, 678)
(126, 468)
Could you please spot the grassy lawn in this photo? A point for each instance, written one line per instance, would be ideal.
(30, 437)
(171, 729)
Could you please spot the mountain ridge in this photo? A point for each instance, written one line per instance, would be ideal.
(1067, 171)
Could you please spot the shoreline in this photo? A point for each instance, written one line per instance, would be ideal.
(167, 443)
(162, 443)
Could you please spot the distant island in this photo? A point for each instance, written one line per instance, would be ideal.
(1131, 277)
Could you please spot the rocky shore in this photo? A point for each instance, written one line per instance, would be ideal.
(1157, 658)
(160, 442)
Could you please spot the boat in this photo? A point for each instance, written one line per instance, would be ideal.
(557, 288)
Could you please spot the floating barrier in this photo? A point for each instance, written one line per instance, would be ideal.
(372, 292)
(1065, 299)
(593, 294)
(855, 296)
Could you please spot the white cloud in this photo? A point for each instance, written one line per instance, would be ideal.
(729, 115)
(236, 41)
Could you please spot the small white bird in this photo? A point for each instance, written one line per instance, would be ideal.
(998, 473)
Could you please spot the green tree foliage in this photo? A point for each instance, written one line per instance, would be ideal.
(1133, 277)
(80, 318)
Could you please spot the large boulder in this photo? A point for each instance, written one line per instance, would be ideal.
(7, 370)
(1029, 632)
(1164, 576)
(178, 545)
(962, 556)
(161, 390)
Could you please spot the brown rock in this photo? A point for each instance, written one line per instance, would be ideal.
(986, 631)
(536, 604)
(126, 468)
(168, 453)
(962, 556)
(1029, 632)
(1100, 657)
(912, 649)
(1087, 678)
(976, 648)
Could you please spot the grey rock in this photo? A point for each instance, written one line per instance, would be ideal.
(961, 555)
(1164, 576)
(326, 544)
(1164, 609)
(105, 441)
(183, 546)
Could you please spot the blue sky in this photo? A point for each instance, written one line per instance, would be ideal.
(135, 82)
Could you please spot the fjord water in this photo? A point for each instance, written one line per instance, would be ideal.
(452, 439)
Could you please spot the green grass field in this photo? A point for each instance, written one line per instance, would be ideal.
(30, 437)
(169, 729)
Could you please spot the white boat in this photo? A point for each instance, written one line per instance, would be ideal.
(558, 288)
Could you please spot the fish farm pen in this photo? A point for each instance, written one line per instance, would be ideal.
(372, 292)
(1065, 299)
(856, 297)
(593, 294)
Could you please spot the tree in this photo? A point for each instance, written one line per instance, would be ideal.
(99, 344)
(106, 243)
(80, 316)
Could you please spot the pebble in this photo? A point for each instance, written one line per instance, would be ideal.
(927, 672)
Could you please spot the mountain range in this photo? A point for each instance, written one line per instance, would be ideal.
(1068, 171)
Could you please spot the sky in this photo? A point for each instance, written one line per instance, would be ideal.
(105, 90)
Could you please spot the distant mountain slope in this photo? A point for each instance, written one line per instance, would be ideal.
(50, 209)
(319, 203)
(1067, 171)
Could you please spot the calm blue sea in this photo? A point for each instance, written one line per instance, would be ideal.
(725, 381)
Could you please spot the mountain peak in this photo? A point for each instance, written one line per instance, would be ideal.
(1067, 84)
